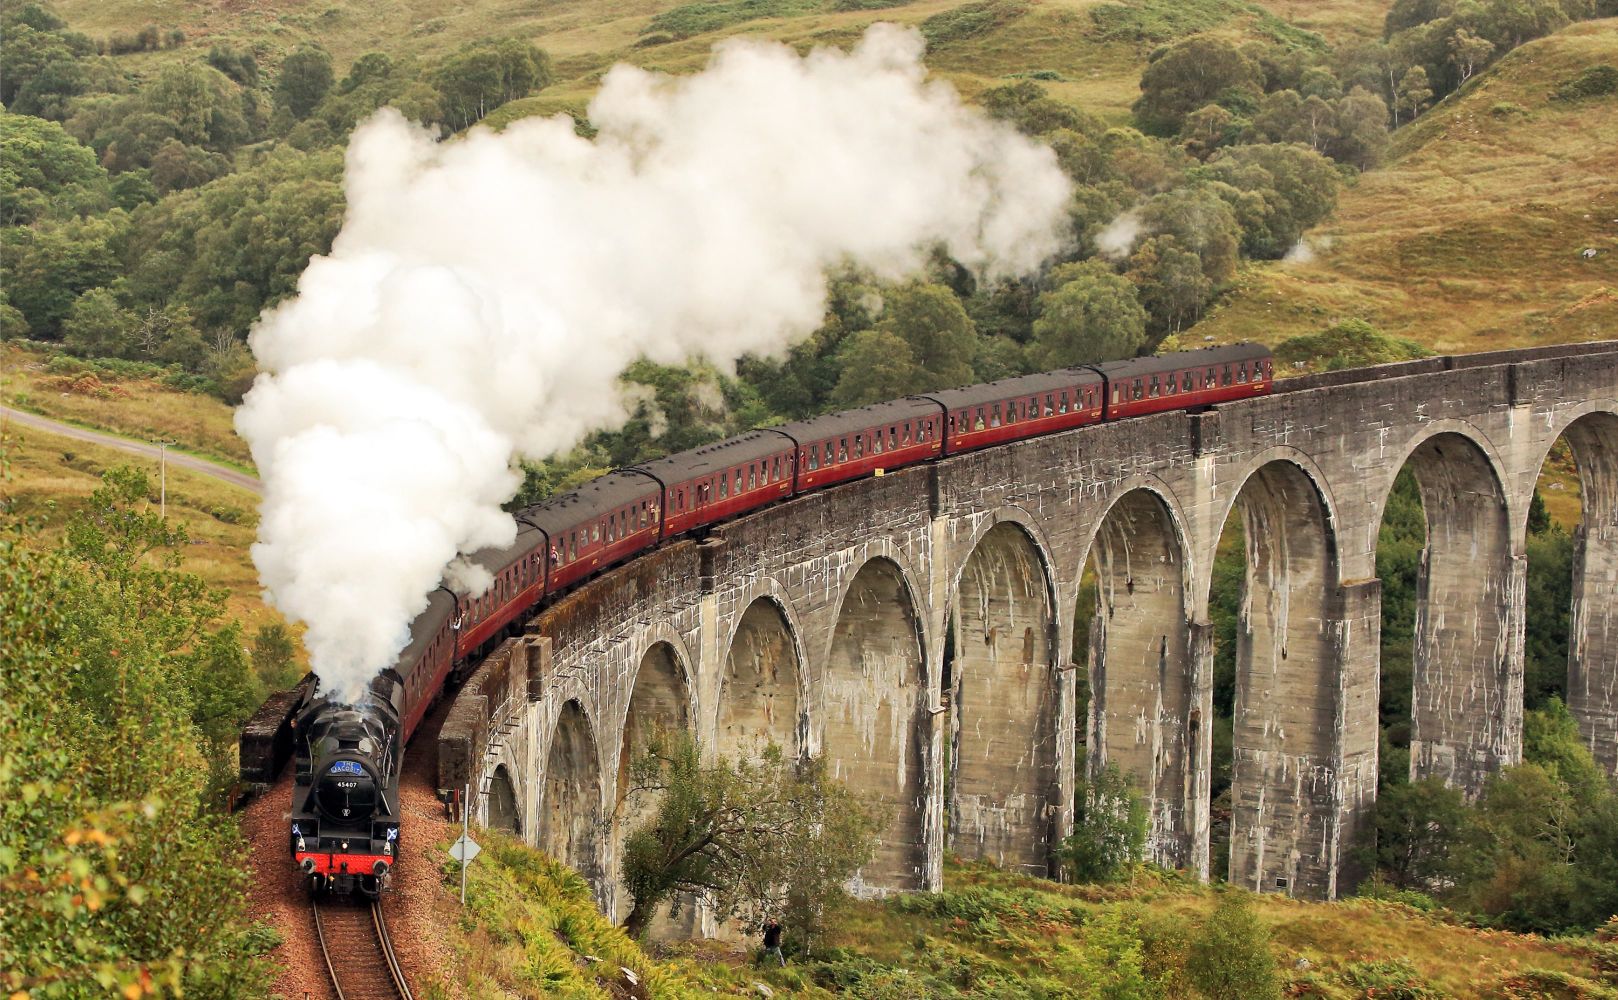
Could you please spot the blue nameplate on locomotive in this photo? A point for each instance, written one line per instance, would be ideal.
(345, 767)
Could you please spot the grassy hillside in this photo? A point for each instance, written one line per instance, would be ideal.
(1472, 237)
(531, 928)
(126, 399)
(49, 476)
(1093, 61)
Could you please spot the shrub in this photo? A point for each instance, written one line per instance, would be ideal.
(970, 20)
(1596, 81)
(1390, 979)
(1230, 958)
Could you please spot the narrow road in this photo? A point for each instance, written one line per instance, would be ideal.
(176, 458)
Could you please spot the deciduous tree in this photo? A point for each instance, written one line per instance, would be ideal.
(306, 76)
(751, 835)
(481, 76)
(1191, 74)
(1090, 315)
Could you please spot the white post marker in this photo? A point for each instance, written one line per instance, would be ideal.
(465, 849)
(163, 480)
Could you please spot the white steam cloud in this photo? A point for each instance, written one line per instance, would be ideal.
(484, 295)
(1117, 239)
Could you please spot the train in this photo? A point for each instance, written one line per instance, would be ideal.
(345, 818)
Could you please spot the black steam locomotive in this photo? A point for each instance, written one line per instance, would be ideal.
(345, 799)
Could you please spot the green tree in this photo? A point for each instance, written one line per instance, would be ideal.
(32, 55)
(47, 266)
(1172, 287)
(1201, 222)
(1415, 92)
(1417, 828)
(1550, 603)
(105, 815)
(1291, 188)
(1109, 829)
(877, 366)
(1191, 74)
(1091, 314)
(46, 172)
(750, 835)
(275, 657)
(176, 166)
(932, 321)
(1468, 52)
(228, 249)
(97, 327)
(202, 103)
(1207, 129)
(481, 76)
(306, 76)
(1230, 959)
(1362, 130)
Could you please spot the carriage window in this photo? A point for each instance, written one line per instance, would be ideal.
(906, 437)
(994, 418)
(893, 438)
(1011, 412)
(752, 477)
(859, 445)
(842, 449)
(876, 442)
(1210, 377)
(724, 486)
(1140, 389)
(1117, 394)
(595, 532)
(814, 458)
(1190, 382)
(1155, 390)
(1227, 379)
(1171, 383)
(612, 529)
(1241, 373)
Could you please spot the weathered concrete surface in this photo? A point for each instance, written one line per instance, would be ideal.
(916, 626)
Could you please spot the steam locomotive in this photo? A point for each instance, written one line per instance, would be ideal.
(345, 801)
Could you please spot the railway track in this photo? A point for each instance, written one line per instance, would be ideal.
(354, 939)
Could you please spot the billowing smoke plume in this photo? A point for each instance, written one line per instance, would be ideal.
(484, 295)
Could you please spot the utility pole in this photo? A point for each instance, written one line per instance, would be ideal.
(466, 838)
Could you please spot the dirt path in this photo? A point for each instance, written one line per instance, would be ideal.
(177, 458)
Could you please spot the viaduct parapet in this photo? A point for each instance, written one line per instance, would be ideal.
(919, 629)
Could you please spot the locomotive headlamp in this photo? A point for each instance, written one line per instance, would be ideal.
(301, 847)
(388, 849)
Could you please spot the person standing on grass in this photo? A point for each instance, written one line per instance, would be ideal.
(772, 941)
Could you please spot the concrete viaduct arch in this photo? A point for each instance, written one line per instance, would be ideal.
(918, 627)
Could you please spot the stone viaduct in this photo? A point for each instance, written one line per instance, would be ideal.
(918, 629)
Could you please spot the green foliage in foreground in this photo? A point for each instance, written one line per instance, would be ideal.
(531, 928)
(753, 837)
(123, 694)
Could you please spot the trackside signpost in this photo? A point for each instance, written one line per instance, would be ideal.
(465, 849)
